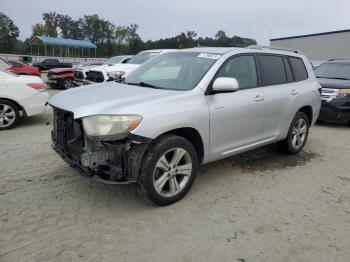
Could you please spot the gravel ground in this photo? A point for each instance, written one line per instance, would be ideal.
(258, 206)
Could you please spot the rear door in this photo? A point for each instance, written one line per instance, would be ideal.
(236, 119)
(280, 93)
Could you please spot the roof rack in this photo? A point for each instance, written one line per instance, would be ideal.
(263, 47)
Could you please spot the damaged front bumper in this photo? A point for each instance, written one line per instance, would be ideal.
(111, 162)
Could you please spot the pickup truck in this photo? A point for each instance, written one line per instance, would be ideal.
(51, 63)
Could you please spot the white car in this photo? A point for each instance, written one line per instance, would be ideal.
(82, 70)
(105, 73)
(20, 96)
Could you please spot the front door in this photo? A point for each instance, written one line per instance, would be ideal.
(236, 119)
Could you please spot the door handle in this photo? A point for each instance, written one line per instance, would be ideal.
(258, 98)
(294, 92)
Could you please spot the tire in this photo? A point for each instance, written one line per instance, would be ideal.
(297, 135)
(9, 114)
(158, 169)
(67, 83)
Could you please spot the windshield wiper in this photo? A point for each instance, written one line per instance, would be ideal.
(143, 84)
(337, 78)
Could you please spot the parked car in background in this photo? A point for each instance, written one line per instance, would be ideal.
(316, 63)
(64, 77)
(81, 70)
(107, 72)
(20, 96)
(334, 77)
(20, 68)
(61, 78)
(183, 108)
(51, 63)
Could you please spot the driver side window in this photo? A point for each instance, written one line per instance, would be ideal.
(242, 68)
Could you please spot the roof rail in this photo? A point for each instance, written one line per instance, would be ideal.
(262, 47)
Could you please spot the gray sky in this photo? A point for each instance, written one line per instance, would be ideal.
(162, 18)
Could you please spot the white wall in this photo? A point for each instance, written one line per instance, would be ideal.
(323, 47)
(62, 59)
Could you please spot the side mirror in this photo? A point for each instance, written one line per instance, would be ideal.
(225, 84)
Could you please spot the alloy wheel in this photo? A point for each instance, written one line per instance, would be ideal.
(7, 115)
(172, 172)
(299, 133)
(67, 83)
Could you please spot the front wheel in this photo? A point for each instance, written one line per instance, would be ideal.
(67, 83)
(169, 169)
(297, 135)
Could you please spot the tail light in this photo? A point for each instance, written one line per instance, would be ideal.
(37, 86)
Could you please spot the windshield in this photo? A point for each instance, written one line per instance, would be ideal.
(142, 57)
(174, 70)
(333, 71)
(113, 60)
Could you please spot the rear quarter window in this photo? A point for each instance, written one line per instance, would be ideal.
(298, 67)
(272, 70)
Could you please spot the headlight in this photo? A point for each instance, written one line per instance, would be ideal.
(106, 127)
(116, 74)
(344, 93)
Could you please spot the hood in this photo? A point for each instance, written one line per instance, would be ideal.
(334, 83)
(118, 67)
(62, 70)
(107, 98)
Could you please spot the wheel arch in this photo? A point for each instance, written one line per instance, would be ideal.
(307, 110)
(193, 136)
(19, 107)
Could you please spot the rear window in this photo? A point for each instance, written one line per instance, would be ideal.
(272, 70)
(298, 68)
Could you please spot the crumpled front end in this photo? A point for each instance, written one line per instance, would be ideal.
(111, 162)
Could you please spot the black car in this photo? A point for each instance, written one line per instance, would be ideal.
(47, 64)
(334, 77)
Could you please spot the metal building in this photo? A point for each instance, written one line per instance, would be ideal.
(72, 47)
(321, 46)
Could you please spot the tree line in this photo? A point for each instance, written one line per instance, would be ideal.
(110, 39)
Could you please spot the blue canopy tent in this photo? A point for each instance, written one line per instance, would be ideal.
(62, 42)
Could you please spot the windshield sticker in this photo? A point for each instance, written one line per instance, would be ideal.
(210, 56)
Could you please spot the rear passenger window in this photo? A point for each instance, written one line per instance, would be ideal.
(298, 68)
(272, 70)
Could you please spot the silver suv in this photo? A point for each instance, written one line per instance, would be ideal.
(182, 109)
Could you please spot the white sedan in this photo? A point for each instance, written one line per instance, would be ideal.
(25, 94)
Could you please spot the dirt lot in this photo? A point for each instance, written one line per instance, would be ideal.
(259, 206)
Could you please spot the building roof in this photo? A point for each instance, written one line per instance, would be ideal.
(309, 35)
(62, 42)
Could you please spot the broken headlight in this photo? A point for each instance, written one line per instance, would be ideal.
(107, 127)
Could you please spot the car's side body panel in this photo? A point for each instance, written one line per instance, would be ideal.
(228, 123)
(15, 89)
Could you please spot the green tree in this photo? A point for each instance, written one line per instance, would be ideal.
(8, 34)
(69, 27)
(38, 30)
(51, 23)
(133, 39)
